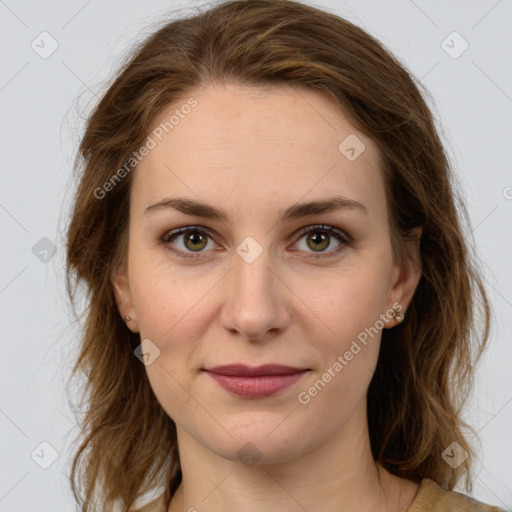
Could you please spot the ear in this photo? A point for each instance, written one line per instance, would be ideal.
(122, 293)
(407, 274)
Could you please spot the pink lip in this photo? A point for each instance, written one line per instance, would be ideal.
(242, 370)
(255, 382)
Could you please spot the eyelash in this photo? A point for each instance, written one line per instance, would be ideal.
(345, 240)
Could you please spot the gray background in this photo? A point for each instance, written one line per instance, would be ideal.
(42, 101)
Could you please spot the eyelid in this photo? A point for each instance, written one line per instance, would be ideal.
(344, 239)
(179, 231)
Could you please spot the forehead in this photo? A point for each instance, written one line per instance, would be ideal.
(280, 141)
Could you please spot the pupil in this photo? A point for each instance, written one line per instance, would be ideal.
(193, 239)
(323, 238)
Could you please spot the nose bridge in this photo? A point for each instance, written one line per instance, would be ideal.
(256, 300)
(252, 274)
(251, 261)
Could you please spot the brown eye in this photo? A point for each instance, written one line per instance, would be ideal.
(189, 240)
(319, 241)
(195, 241)
(318, 238)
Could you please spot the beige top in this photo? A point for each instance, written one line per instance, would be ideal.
(430, 498)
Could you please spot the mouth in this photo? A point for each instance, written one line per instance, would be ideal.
(255, 382)
(242, 370)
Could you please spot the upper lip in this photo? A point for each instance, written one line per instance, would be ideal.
(243, 370)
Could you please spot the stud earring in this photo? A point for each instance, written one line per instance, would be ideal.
(127, 318)
(399, 317)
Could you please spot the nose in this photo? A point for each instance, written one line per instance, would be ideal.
(256, 302)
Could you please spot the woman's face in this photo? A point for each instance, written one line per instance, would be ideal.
(252, 288)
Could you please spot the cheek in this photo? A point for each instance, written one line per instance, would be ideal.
(347, 353)
(334, 312)
(349, 311)
(169, 314)
(348, 302)
(165, 296)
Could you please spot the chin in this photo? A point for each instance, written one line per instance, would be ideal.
(258, 438)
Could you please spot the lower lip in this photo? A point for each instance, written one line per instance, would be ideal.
(256, 387)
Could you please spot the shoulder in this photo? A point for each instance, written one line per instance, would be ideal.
(431, 497)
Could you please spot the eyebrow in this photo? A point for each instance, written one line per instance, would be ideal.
(200, 209)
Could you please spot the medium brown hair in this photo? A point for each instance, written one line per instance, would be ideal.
(426, 364)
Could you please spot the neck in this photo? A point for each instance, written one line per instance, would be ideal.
(337, 475)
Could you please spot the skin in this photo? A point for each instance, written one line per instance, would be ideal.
(254, 152)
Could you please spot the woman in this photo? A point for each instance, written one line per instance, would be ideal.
(282, 306)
